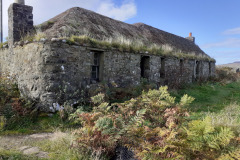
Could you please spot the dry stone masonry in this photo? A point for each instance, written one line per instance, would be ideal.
(20, 21)
(51, 71)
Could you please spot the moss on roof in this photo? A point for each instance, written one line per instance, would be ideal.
(78, 21)
(155, 50)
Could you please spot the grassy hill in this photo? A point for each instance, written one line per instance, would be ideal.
(234, 65)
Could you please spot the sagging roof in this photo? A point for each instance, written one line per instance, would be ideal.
(79, 21)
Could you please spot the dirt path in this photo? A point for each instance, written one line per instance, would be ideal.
(22, 143)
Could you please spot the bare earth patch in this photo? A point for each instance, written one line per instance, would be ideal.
(23, 143)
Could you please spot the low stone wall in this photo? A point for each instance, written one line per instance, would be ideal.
(52, 72)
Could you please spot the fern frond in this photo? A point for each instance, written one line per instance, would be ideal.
(200, 128)
(98, 99)
(234, 155)
(186, 100)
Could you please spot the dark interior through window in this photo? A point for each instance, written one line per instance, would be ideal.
(210, 69)
(162, 70)
(197, 68)
(181, 66)
(145, 67)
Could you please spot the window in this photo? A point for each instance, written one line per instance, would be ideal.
(210, 69)
(145, 67)
(97, 66)
(181, 66)
(197, 69)
(162, 70)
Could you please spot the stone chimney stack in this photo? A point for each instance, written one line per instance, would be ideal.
(191, 38)
(20, 2)
(20, 21)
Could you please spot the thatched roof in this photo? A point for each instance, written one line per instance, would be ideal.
(79, 21)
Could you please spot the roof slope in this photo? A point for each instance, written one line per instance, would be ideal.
(79, 21)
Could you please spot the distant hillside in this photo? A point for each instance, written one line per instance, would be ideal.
(234, 65)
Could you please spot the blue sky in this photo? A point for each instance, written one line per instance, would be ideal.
(214, 23)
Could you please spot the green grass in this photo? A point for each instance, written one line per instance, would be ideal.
(2, 44)
(43, 123)
(216, 100)
(60, 147)
(14, 155)
(210, 97)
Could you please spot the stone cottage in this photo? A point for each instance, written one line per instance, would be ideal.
(79, 49)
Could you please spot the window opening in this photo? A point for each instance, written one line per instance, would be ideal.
(162, 70)
(145, 67)
(97, 66)
(181, 66)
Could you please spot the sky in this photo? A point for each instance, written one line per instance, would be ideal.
(214, 23)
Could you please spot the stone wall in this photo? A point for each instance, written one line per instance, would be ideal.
(53, 72)
(25, 65)
(121, 69)
(155, 67)
(212, 69)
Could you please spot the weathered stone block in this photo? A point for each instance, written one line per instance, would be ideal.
(20, 22)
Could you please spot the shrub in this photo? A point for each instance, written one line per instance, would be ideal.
(202, 139)
(226, 75)
(13, 110)
(152, 126)
(132, 123)
(233, 155)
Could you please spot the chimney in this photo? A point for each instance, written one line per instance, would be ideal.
(191, 38)
(1, 21)
(20, 2)
(20, 21)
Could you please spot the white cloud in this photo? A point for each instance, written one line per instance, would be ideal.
(46, 9)
(228, 43)
(233, 31)
(127, 10)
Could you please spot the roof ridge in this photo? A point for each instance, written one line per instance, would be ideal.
(87, 22)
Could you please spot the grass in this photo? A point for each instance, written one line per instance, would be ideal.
(216, 100)
(121, 44)
(129, 46)
(2, 44)
(43, 123)
(228, 117)
(33, 37)
(210, 97)
(60, 147)
(14, 155)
